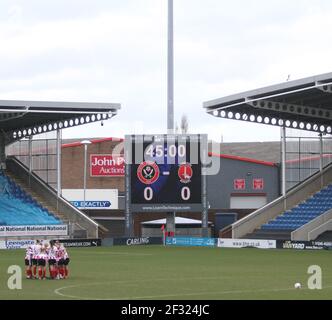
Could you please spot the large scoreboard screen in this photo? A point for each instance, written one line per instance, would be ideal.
(164, 172)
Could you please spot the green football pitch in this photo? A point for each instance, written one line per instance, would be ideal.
(171, 273)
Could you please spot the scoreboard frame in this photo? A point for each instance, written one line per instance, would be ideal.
(143, 172)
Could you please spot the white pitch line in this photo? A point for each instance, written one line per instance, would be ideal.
(120, 253)
(57, 291)
(212, 292)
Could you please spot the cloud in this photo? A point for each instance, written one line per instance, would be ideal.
(115, 51)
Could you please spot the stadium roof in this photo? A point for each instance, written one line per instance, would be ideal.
(19, 119)
(304, 104)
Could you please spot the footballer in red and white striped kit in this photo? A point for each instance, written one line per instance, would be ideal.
(38, 256)
(42, 260)
(36, 248)
(28, 262)
(66, 261)
(63, 261)
(52, 260)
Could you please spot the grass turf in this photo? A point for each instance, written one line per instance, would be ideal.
(156, 272)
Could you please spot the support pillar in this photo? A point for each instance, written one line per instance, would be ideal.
(2, 151)
(283, 165)
(203, 158)
(129, 228)
(320, 152)
(283, 160)
(321, 160)
(30, 158)
(58, 162)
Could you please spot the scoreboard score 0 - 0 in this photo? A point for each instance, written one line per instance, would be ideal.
(164, 172)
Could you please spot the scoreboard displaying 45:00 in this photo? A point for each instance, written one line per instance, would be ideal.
(164, 172)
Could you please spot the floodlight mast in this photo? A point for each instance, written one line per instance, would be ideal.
(170, 217)
(170, 71)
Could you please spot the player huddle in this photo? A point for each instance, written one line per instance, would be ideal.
(39, 255)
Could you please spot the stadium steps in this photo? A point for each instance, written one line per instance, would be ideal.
(37, 197)
(326, 236)
(269, 234)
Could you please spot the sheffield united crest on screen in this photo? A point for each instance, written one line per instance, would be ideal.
(148, 172)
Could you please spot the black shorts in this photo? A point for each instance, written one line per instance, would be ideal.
(42, 262)
(34, 262)
(66, 261)
(52, 262)
(27, 262)
(61, 262)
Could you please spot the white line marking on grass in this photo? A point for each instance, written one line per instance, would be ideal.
(57, 291)
(207, 293)
(119, 253)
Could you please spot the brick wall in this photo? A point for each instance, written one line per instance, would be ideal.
(73, 168)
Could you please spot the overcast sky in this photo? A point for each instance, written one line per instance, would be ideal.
(116, 51)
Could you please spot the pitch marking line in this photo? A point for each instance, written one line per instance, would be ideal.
(58, 291)
(120, 253)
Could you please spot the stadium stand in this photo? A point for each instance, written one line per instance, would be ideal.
(303, 104)
(18, 207)
(305, 208)
(302, 213)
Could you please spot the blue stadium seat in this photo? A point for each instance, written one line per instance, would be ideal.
(302, 213)
(19, 208)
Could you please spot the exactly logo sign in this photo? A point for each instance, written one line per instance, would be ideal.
(107, 165)
(91, 204)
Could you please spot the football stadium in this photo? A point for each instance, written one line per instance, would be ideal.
(162, 227)
(172, 216)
